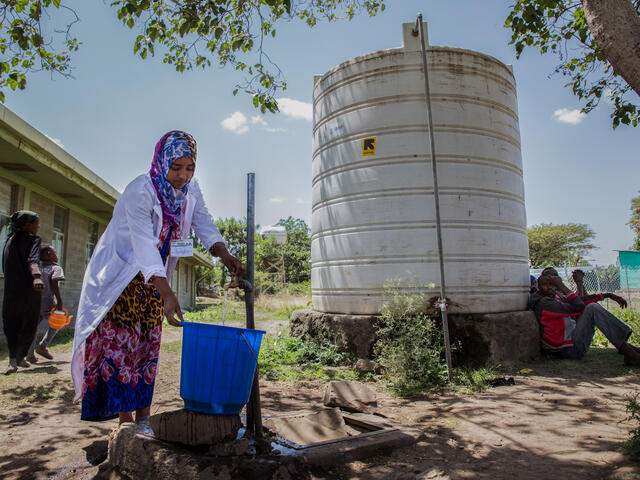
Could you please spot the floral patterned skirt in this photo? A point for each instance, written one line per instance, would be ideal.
(121, 355)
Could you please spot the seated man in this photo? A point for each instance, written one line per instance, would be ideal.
(578, 278)
(568, 321)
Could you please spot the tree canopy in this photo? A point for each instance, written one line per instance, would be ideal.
(291, 261)
(634, 221)
(554, 245)
(189, 34)
(275, 265)
(596, 44)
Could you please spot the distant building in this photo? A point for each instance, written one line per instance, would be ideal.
(74, 204)
(629, 268)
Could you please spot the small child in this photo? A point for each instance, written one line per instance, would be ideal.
(52, 274)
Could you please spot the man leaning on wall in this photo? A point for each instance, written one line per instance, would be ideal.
(568, 319)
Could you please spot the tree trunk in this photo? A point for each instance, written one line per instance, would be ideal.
(615, 26)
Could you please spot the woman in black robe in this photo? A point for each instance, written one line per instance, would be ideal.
(22, 286)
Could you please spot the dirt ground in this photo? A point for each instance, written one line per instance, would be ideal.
(561, 420)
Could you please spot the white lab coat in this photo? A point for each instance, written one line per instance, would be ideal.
(130, 245)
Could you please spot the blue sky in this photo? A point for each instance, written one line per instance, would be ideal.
(576, 169)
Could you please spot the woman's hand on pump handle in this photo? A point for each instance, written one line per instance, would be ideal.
(233, 264)
(171, 303)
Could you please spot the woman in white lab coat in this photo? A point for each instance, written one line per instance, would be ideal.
(126, 293)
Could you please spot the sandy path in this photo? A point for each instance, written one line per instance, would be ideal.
(551, 424)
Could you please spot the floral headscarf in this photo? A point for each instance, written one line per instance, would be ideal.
(171, 147)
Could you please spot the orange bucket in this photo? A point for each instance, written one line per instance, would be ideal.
(59, 318)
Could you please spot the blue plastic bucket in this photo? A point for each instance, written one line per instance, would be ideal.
(218, 365)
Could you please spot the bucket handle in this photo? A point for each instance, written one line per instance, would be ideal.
(250, 347)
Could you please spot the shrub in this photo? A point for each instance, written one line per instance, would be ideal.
(410, 344)
(632, 446)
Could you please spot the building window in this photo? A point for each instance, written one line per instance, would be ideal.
(59, 229)
(92, 239)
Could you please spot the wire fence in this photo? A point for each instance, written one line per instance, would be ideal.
(622, 280)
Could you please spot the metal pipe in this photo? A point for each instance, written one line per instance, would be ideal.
(251, 232)
(254, 413)
(434, 169)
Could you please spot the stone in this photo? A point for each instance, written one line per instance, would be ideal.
(135, 456)
(495, 337)
(352, 333)
(309, 427)
(364, 366)
(355, 396)
(194, 428)
(229, 449)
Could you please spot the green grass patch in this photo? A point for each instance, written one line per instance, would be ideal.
(629, 316)
(268, 310)
(286, 358)
(172, 347)
(472, 380)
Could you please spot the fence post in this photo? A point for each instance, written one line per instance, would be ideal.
(626, 276)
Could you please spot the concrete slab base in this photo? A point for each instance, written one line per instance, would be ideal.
(484, 337)
(492, 338)
(135, 455)
(352, 333)
(309, 427)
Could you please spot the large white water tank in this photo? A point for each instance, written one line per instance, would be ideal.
(373, 214)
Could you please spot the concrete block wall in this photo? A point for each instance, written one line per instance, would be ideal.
(5, 196)
(76, 238)
(185, 285)
(45, 208)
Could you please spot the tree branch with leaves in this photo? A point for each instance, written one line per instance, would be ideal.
(593, 49)
(190, 34)
(30, 41)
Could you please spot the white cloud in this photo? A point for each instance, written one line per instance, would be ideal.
(236, 123)
(57, 141)
(296, 108)
(275, 130)
(277, 199)
(607, 96)
(257, 120)
(299, 201)
(565, 115)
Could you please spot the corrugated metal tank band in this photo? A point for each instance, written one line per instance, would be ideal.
(373, 214)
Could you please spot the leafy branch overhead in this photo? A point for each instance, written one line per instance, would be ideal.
(205, 33)
(29, 41)
(189, 34)
(590, 39)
